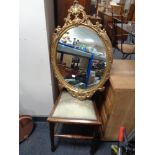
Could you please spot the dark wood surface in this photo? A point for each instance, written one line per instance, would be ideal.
(74, 121)
(131, 14)
(70, 136)
(110, 27)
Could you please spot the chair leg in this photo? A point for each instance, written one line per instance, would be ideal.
(125, 56)
(52, 136)
(95, 142)
(114, 50)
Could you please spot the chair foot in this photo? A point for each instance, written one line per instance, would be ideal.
(114, 50)
(95, 142)
(52, 136)
(53, 149)
(92, 152)
(125, 56)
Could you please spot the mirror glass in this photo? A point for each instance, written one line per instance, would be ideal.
(81, 57)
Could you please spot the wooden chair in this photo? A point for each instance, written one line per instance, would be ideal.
(75, 107)
(126, 48)
(74, 112)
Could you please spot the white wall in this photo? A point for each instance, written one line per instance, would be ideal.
(49, 13)
(36, 86)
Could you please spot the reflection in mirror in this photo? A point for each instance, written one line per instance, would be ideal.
(81, 57)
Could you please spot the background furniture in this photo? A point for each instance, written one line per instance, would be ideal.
(118, 108)
(123, 40)
(131, 13)
(108, 23)
(95, 19)
(115, 11)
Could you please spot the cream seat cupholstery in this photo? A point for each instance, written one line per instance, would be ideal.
(73, 108)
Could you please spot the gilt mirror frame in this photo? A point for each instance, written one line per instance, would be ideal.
(77, 17)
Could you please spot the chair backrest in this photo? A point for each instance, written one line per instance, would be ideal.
(122, 30)
(118, 32)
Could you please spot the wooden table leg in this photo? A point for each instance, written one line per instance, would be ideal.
(52, 136)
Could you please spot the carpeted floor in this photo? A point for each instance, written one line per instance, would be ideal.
(39, 144)
(118, 55)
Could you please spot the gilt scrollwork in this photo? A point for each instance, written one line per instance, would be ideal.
(77, 16)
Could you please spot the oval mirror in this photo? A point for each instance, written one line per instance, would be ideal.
(81, 57)
(81, 54)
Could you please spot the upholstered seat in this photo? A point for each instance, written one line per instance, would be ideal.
(73, 108)
(127, 48)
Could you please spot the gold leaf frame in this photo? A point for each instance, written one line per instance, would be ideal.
(77, 17)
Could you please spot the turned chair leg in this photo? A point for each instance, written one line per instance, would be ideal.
(52, 136)
(95, 142)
